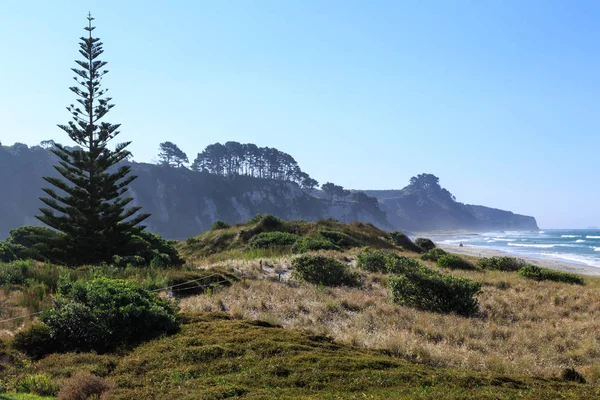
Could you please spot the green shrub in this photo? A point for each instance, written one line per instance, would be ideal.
(304, 245)
(425, 244)
(37, 243)
(509, 264)
(6, 253)
(40, 384)
(272, 239)
(546, 274)
(401, 240)
(270, 222)
(102, 315)
(373, 261)
(430, 290)
(321, 270)
(433, 254)
(14, 273)
(35, 340)
(338, 238)
(400, 264)
(219, 225)
(452, 261)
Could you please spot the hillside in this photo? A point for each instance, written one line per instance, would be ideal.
(256, 331)
(424, 205)
(184, 202)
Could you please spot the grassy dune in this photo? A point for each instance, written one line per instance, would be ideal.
(256, 333)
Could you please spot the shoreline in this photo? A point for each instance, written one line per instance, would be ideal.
(540, 262)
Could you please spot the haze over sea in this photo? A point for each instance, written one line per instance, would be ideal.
(580, 246)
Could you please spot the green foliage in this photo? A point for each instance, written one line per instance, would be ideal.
(452, 261)
(400, 264)
(6, 253)
(509, 264)
(373, 261)
(340, 239)
(425, 244)
(40, 384)
(219, 225)
(321, 270)
(307, 244)
(87, 202)
(401, 240)
(102, 315)
(430, 290)
(433, 254)
(270, 239)
(546, 274)
(37, 243)
(35, 340)
(270, 222)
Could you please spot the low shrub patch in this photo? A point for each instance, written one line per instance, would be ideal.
(400, 264)
(425, 244)
(430, 290)
(321, 270)
(338, 238)
(433, 254)
(509, 264)
(546, 274)
(219, 225)
(373, 261)
(40, 384)
(99, 315)
(309, 244)
(452, 261)
(401, 240)
(82, 386)
(272, 239)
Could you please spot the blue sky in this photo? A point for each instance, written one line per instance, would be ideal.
(500, 99)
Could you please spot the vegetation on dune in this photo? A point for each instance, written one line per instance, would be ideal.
(321, 270)
(425, 244)
(501, 263)
(266, 232)
(98, 315)
(545, 274)
(453, 261)
(215, 357)
(433, 254)
(430, 290)
(401, 240)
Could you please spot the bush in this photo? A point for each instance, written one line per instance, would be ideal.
(321, 270)
(400, 239)
(36, 242)
(425, 244)
(270, 222)
(304, 245)
(452, 261)
(82, 386)
(102, 315)
(338, 238)
(430, 290)
(14, 273)
(34, 340)
(433, 254)
(6, 253)
(219, 225)
(400, 264)
(40, 384)
(501, 263)
(571, 375)
(373, 261)
(546, 274)
(272, 239)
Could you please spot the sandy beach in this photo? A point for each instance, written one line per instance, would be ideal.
(558, 265)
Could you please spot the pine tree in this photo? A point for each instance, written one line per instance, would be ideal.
(92, 212)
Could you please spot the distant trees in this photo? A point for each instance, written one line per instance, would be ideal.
(334, 192)
(89, 208)
(430, 183)
(171, 155)
(248, 159)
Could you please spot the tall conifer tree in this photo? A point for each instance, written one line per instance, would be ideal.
(90, 209)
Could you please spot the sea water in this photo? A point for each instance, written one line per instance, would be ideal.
(581, 246)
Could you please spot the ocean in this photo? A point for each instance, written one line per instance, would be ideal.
(580, 246)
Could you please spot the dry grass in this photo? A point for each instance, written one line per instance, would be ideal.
(524, 327)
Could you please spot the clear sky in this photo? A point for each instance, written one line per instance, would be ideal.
(500, 99)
